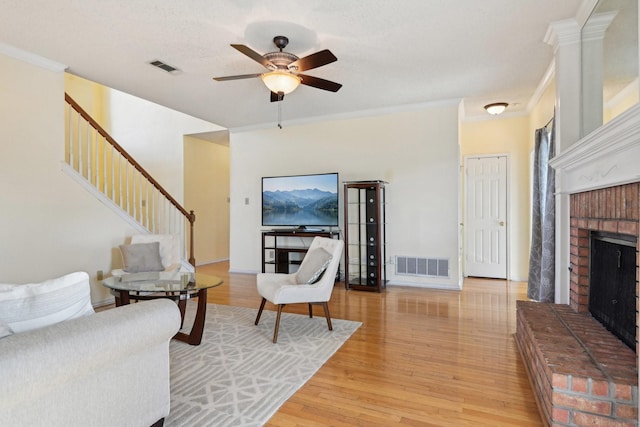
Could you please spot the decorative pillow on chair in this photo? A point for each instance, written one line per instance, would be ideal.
(141, 257)
(36, 305)
(315, 262)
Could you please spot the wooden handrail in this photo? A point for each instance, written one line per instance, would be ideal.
(189, 215)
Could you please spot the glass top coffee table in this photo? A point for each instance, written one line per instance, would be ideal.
(178, 286)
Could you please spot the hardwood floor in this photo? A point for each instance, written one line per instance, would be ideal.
(421, 357)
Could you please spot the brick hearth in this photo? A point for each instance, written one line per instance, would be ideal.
(582, 374)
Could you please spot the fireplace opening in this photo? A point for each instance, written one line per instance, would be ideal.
(612, 286)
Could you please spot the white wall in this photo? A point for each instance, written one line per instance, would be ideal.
(153, 135)
(417, 152)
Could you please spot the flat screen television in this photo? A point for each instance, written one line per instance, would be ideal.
(301, 201)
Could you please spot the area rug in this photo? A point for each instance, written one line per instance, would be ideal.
(238, 376)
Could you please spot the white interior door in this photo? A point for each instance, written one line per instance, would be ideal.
(486, 217)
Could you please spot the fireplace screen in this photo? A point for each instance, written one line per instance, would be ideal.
(612, 286)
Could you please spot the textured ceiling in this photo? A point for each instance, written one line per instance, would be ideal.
(391, 54)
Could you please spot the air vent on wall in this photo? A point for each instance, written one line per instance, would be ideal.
(166, 67)
(427, 267)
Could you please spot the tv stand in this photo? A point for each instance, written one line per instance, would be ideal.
(285, 248)
(298, 230)
(310, 230)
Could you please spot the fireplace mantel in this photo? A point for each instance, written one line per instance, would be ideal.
(608, 156)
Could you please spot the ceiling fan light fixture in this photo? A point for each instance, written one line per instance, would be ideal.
(496, 108)
(281, 81)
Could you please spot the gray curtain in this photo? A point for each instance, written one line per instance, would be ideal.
(541, 285)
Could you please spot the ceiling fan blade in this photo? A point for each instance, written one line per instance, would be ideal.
(254, 55)
(319, 83)
(314, 60)
(277, 97)
(238, 77)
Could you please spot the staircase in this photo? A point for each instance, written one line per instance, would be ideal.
(98, 163)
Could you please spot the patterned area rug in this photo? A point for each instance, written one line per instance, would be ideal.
(238, 376)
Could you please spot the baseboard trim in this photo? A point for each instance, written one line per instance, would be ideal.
(212, 261)
(102, 303)
(233, 270)
(425, 285)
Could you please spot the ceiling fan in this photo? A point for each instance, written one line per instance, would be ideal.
(283, 76)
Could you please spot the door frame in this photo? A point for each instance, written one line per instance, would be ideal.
(507, 209)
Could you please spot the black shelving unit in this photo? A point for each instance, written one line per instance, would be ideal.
(365, 238)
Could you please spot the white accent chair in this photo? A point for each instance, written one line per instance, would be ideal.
(282, 288)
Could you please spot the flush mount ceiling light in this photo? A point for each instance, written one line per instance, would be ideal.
(496, 108)
(279, 81)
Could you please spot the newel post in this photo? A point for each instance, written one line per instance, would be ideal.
(192, 219)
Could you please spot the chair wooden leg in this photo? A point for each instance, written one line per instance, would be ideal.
(264, 300)
(275, 332)
(310, 310)
(327, 315)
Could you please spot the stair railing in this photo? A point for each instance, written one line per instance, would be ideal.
(103, 163)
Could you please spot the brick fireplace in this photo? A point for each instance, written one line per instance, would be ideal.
(580, 372)
(612, 210)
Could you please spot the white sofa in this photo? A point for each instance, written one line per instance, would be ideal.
(105, 369)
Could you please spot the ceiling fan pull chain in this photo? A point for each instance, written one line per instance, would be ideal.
(280, 96)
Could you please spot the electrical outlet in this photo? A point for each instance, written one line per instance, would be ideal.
(99, 275)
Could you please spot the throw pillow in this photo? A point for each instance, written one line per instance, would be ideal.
(36, 305)
(313, 265)
(141, 257)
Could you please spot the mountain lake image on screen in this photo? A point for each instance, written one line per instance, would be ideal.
(300, 200)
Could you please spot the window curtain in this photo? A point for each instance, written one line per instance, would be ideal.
(541, 286)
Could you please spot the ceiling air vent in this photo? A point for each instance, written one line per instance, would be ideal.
(166, 67)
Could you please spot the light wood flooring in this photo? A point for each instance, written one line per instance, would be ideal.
(421, 357)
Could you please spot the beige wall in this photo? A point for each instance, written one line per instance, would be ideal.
(206, 185)
(514, 136)
(154, 136)
(542, 112)
(417, 152)
(49, 225)
(626, 99)
(91, 96)
(151, 133)
(508, 136)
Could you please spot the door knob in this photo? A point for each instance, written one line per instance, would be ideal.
(501, 223)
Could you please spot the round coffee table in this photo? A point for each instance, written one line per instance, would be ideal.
(178, 286)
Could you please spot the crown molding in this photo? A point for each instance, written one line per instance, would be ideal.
(31, 58)
(353, 115)
(596, 27)
(561, 33)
